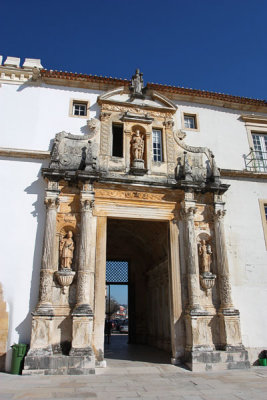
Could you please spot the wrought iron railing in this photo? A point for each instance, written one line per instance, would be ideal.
(256, 161)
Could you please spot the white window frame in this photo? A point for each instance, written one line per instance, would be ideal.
(260, 151)
(157, 156)
(195, 117)
(73, 103)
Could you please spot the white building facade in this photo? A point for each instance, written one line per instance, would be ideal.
(123, 178)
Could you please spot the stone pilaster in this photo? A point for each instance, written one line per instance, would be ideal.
(148, 147)
(229, 316)
(82, 314)
(175, 295)
(49, 264)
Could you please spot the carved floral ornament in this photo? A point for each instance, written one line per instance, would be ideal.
(119, 194)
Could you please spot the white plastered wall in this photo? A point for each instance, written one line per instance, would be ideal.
(22, 229)
(248, 259)
(221, 130)
(32, 115)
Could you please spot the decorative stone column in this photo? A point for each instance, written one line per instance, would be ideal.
(82, 326)
(42, 323)
(49, 264)
(188, 213)
(198, 333)
(127, 147)
(229, 316)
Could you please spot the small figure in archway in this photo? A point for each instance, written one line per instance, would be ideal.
(66, 251)
(204, 252)
(137, 146)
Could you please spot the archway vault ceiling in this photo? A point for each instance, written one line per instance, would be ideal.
(132, 239)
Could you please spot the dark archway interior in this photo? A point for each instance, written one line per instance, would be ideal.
(144, 244)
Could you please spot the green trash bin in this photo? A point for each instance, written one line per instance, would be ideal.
(18, 354)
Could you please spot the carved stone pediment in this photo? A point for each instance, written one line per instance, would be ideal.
(73, 152)
(151, 100)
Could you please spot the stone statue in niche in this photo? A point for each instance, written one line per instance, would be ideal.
(204, 252)
(137, 146)
(207, 278)
(66, 251)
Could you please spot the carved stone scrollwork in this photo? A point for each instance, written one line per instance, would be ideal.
(94, 126)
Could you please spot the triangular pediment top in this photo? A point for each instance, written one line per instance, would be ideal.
(151, 100)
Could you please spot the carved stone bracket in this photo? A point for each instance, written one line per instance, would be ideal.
(65, 278)
(207, 281)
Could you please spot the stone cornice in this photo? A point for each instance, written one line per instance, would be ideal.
(260, 119)
(18, 75)
(242, 174)
(45, 155)
(24, 153)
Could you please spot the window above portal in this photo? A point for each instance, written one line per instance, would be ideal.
(190, 122)
(157, 145)
(79, 108)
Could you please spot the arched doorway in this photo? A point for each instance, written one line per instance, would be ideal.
(144, 244)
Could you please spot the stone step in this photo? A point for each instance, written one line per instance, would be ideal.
(199, 361)
(59, 371)
(59, 365)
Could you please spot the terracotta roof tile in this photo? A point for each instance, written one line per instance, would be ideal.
(156, 86)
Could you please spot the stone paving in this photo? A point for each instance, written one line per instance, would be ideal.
(139, 373)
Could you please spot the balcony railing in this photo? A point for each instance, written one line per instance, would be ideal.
(256, 161)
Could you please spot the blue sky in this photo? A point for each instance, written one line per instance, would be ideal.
(216, 45)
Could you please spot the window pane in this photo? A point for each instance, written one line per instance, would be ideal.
(79, 109)
(117, 140)
(157, 144)
(189, 122)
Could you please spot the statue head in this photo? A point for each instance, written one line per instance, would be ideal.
(69, 234)
(137, 132)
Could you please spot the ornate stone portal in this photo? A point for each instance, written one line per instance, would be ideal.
(188, 285)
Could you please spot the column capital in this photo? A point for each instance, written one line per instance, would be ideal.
(51, 203)
(219, 214)
(86, 205)
(168, 123)
(188, 211)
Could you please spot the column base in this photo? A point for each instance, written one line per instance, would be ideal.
(83, 310)
(59, 365)
(200, 361)
(44, 309)
(230, 329)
